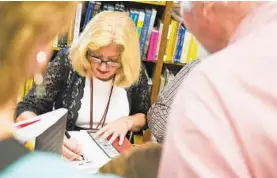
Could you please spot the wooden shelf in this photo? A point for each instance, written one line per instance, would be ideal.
(159, 3)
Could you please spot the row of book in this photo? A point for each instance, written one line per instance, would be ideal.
(182, 47)
(144, 19)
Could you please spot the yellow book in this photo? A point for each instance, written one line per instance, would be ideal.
(190, 50)
(195, 51)
(171, 41)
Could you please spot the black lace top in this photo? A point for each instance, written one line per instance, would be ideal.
(64, 88)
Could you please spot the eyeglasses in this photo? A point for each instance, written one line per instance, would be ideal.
(97, 60)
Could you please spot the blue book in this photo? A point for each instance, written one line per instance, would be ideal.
(89, 13)
(132, 15)
(136, 17)
(180, 43)
(144, 30)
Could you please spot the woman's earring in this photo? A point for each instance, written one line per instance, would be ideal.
(38, 78)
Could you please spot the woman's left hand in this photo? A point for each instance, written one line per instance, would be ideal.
(117, 128)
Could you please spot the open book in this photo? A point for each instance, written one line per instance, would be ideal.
(44, 132)
(97, 152)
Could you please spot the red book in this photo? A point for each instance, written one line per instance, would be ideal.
(121, 148)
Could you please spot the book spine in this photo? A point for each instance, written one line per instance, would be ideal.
(180, 44)
(159, 39)
(153, 45)
(77, 22)
(88, 14)
(144, 30)
(151, 26)
(140, 22)
(185, 47)
(136, 17)
(171, 41)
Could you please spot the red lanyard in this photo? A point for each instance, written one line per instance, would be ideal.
(103, 119)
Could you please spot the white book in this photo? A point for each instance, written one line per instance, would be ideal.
(185, 49)
(95, 156)
(44, 132)
(77, 24)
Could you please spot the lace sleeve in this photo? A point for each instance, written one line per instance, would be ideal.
(140, 95)
(53, 80)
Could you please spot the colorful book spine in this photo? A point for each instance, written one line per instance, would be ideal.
(159, 40)
(132, 15)
(154, 37)
(136, 17)
(185, 49)
(140, 22)
(151, 26)
(77, 22)
(89, 13)
(171, 41)
(144, 30)
(180, 43)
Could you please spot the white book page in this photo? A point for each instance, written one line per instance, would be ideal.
(34, 130)
(93, 154)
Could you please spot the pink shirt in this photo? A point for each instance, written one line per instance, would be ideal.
(223, 122)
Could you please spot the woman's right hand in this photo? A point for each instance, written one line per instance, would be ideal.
(71, 149)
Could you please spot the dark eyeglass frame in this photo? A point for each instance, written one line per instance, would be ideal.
(99, 61)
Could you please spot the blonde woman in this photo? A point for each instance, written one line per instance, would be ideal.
(26, 34)
(100, 80)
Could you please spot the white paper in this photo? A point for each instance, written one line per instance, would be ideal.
(34, 130)
(93, 154)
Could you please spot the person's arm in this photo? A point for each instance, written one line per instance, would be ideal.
(140, 102)
(32, 104)
(159, 111)
(138, 121)
(37, 164)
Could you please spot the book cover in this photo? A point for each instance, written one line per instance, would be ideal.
(140, 22)
(151, 55)
(144, 30)
(77, 24)
(151, 26)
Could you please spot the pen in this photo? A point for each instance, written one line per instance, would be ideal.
(68, 136)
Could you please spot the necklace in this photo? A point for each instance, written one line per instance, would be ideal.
(103, 119)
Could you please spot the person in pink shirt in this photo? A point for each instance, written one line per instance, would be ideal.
(223, 122)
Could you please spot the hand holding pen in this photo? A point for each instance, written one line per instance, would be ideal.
(71, 150)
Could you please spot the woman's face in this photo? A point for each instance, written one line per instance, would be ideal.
(105, 61)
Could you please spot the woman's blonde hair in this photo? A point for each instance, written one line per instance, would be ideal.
(104, 29)
(23, 24)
